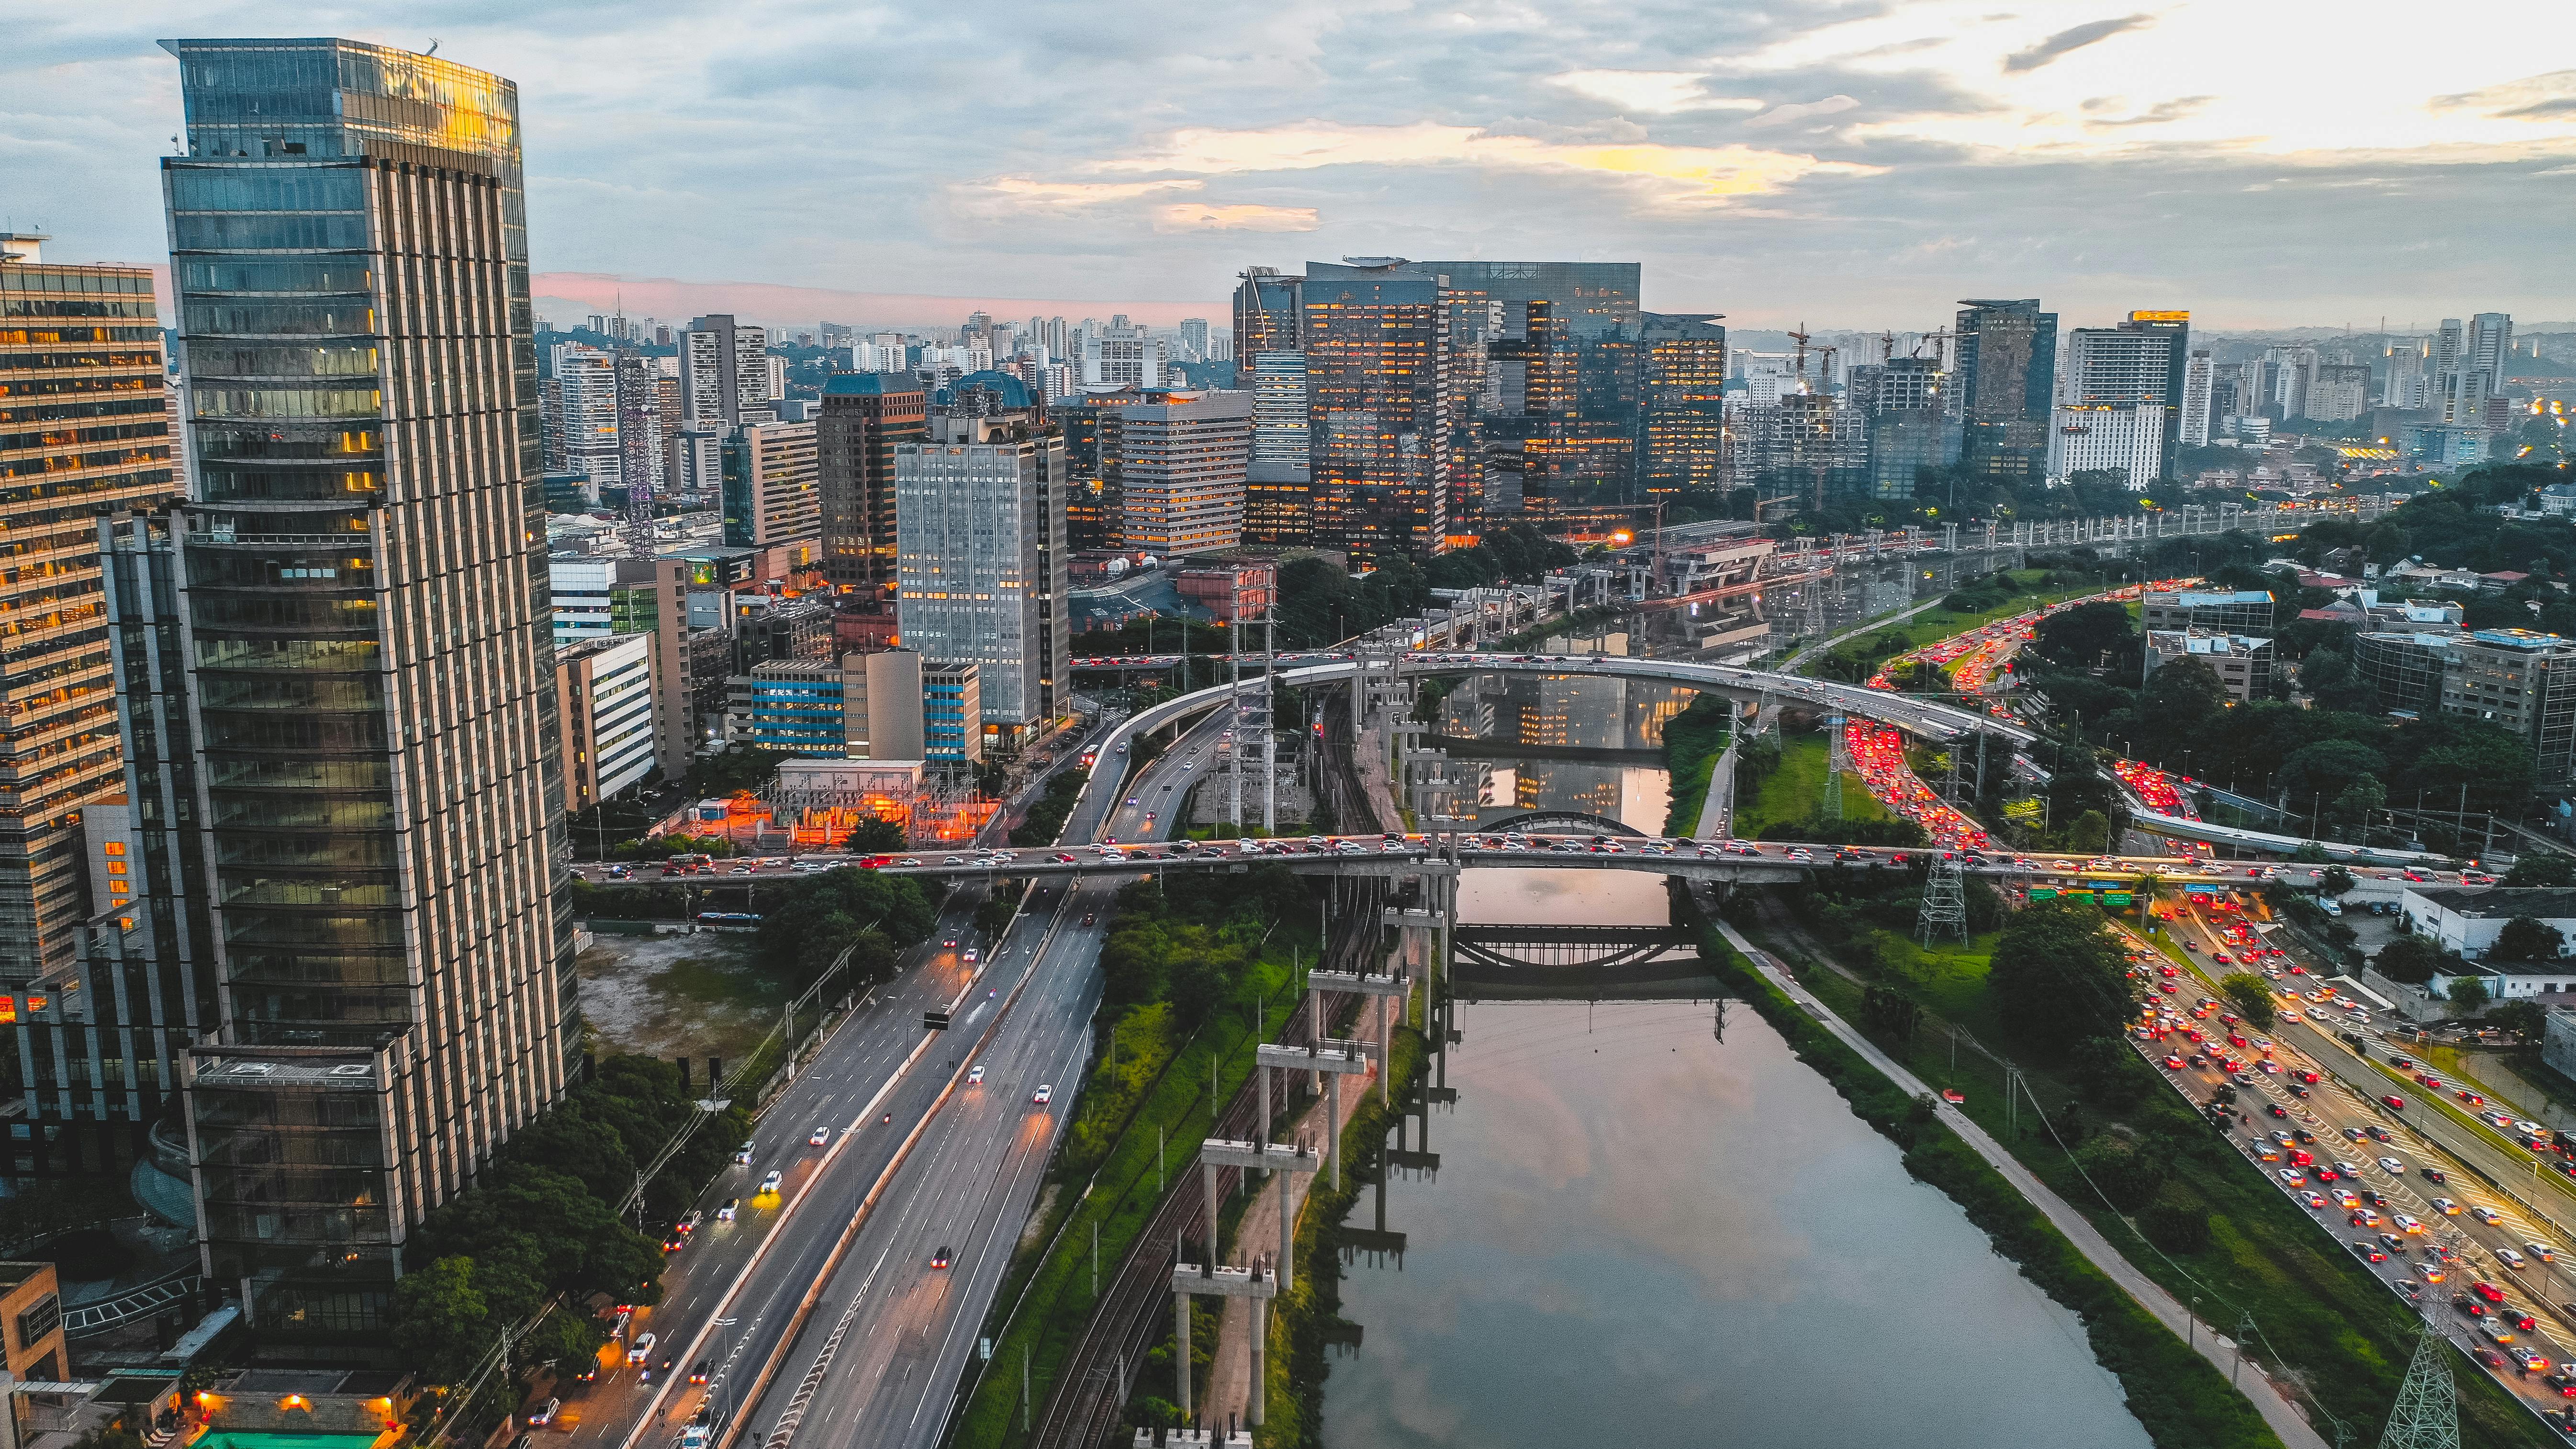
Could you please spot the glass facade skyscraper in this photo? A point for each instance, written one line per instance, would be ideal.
(1682, 435)
(2005, 386)
(365, 622)
(1378, 404)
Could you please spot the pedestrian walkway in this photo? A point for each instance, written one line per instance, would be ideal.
(2266, 1396)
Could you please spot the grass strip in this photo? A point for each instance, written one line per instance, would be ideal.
(1693, 740)
(1795, 790)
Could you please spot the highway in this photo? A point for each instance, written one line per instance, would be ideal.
(2435, 1238)
(891, 1335)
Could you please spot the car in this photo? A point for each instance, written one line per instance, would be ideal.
(2509, 1258)
(544, 1413)
(2564, 1381)
(2531, 1361)
(970, 957)
(674, 1240)
(2377, 1133)
(2408, 1225)
(2434, 1174)
(2496, 1329)
(2468, 1305)
(2542, 1251)
(2392, 1167)
(698, 1372)
(818, 1136)
(689, 1221)
(2394, 1103)
(2365, 1218)
(731, 1207)
(770, 1182)
(2348, 1170)
(975, 1075)
(2486, 1215)
(2352, 1134)
(742, 1154)
(940, 1258)
(2492, 1359)
(2487, 1291)
(2173, 1064)
(2472, 1098)
(2446, 1207)
(2293, 1177)
(2367, 1251)
(2276, 1109)
(1086, 917)
(641, 1350)
(2316, 1201)
(621, 872)
(1042, 1096)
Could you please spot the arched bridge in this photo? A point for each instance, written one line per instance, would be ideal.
(1559, 822)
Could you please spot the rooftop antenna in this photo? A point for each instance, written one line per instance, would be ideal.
(433, 46)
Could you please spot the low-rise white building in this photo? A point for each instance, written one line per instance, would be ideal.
(2468, 921)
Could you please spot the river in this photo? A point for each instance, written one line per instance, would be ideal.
(1651, 1223)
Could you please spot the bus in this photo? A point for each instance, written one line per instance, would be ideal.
(688, 863)
(728, 920)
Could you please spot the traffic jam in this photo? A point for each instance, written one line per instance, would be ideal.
(1878, 757)
(2470, 1253)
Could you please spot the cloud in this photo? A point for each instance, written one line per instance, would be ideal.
(1783, 115)
(1673, 173)
(1657, 92)
(2076, 38)
(2547, 97)
(2157, 114)
(1235, 218)
(1028, 192)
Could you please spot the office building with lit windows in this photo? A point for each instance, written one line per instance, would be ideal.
(1682, 447)
(864, 416)
(2004, 387)
(980, 555)
(1378, 405)
(84, 432)
(369, 673)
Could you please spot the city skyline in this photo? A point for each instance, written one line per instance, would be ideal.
(1811, 163)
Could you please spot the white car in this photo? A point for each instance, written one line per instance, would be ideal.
(2542, 1251)
(818, 1137)
(1043, 1095)
(2446, 1207)
(2486, 1215)
(2392, 1167)
(2406, 1224)
(2509, 1258)
(975, 1075)
(770, 1181)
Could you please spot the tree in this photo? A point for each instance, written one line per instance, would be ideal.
(2526, 939)
(2252, 997)
(2130, 1178)
(875, 835)
(2335, 881)
(2526, 1019)
(2087, 636)
(440, 1321)
(2542, 868)
(2410, 959)
(2328, 675)
(2324, 770)
(2180, 701)
(2105, 1070)
(2090, 831)
(2058, 979)
(2468, 995)
(2175, 1228)
(1890, 1013)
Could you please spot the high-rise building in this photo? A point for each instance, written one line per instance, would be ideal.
(980, 557)
(369, 667)
(2004, 386)
(2340, 392)
(881, 706)
(1178, 461)
(604, 706)
(2116, 400)
(1376, 345)
(2404, 385)
(1121, 356)
(83, 435)
(2176, 325)
(1904, 404)
(2127, 438)
(1682, 439)
(2199, 380)
(771, 490)
(1194, 338)
(724, 373)
(864, 417)
(2291, 371)
(2469, 366)
(1269, 312)
(1280, 476)
(587, 379)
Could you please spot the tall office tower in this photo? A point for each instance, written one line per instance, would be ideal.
(771, 495)
(369, 666)
(641, 459)
(1904, 404)
(1809, 447)
(2198, 392)
(1178, 462)
(1682, 431)
(2404, 387)
(1269, 312)
(724, 373)
(591, 443)
(864, 416)
(1194, 338)
(1560, 398)
(2291, 371)
(2117, 381)
(666, 415)
(2477, 372)
(83, 434)
(2175, 324)
(2004, 385)
(1377, 402)
(2448, 346)
(1279, 475)
(1092, 516)
(979, 524)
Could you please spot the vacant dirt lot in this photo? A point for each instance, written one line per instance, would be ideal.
(677, 996)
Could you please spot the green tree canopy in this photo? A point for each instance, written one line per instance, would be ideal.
(2325, 769)
(2527, 939)
(2252, 998)
(2087, 636)
(2058, 979)
(2542, 868)
(2469, 995)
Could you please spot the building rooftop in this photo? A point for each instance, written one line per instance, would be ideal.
(2519, 638)
(2544, 903)
(869, 384)
(2192, 599)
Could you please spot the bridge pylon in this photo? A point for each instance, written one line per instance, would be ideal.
(1837, 760)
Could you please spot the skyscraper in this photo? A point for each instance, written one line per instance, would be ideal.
(83, 434)
(2114, 408)
(1176, 462)
(2199, 381)
(369, 661)
(980, 552)
(1682, 436)
(1269, 312)
(2006, 377)
(1904, 401)
(1376, 343)
(725, 373)
(863, 417)
(2175, 324)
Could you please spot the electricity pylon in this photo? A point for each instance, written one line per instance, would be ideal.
(2427, 1413)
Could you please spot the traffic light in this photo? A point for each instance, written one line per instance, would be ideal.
(934, 1021)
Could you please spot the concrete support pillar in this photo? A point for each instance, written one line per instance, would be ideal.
(1333, 1124)
(1287, 1225)
(1260, 1335)
(1207, 1175)
(1181, 1349)
(1385, 1053)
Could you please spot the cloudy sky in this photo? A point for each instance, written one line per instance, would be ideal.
(1849, 163)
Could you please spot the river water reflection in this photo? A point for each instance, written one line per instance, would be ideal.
(1643, 1231)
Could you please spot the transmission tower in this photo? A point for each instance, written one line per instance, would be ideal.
(1945, 900)
(1837, 760)
(2427, 1414)
(1816, 604)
